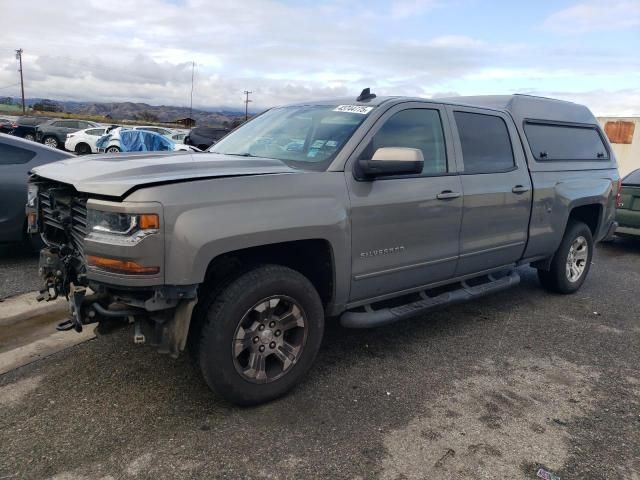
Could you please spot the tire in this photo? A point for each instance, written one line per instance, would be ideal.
(112, 149)
(250, 309)
(569, 268)
(30, 137)
(51, 141)
(83, 149)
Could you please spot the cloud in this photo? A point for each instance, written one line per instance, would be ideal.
(401, 9)
(283, 51)
(595, 16)
(603, 103)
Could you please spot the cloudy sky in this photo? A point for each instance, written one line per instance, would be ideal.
(290, 50)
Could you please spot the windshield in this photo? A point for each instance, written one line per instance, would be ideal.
(307, 137)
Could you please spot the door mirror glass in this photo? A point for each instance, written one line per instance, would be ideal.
(387, 161)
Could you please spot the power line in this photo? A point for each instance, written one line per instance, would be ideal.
(9, 86)
(246, 105)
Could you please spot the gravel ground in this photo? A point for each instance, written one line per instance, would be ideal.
(18, 270)
(495, 388)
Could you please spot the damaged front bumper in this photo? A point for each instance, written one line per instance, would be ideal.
(161, 314)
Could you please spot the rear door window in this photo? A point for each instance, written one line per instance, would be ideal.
(485, 142)
(10, 155)
(550, 142)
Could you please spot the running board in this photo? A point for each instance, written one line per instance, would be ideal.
(375, 318)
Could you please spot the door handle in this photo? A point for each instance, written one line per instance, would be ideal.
(447, 195)
(520, 189)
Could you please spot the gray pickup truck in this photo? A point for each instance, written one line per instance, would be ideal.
(370, 209)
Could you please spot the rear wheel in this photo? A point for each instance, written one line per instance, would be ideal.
(29, 137)
(571, 262)
(261, 335)
(51, 142)
(83, 149)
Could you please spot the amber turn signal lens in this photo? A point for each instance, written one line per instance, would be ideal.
(149, 221)
(120, 266)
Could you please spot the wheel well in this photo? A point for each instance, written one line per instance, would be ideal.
(84, 144)
(312, 258)
(588, 214)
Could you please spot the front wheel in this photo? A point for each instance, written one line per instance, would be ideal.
(571, 262)
(260, 335)
(113, 149)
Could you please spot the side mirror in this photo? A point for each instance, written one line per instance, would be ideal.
(389, 161)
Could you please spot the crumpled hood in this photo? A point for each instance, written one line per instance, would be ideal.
(115, 174)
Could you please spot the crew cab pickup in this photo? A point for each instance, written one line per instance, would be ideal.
(370, 210)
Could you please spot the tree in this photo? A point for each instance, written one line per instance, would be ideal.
(6, 101)
(47, 106)
(146, 116)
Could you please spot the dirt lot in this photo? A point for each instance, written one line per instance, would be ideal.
(496, 388)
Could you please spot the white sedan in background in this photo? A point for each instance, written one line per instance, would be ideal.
(124, 139)
(84, 141)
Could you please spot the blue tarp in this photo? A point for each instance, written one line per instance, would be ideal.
(139, 141)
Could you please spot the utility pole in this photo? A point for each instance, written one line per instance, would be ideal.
(246, 105)
(19, 58)
(193, 67)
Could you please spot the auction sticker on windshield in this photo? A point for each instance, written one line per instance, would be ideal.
(353, 109)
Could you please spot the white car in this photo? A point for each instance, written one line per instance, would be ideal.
(84, 141)
(112, 142)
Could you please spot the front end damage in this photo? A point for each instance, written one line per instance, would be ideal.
(82, 267)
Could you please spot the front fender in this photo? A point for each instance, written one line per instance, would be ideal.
(208, 218)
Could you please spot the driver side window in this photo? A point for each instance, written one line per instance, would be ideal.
(419, 128)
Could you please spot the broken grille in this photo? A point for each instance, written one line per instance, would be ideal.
(63, 217)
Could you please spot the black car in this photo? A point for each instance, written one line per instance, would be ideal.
(17, 157)
(25, 127)
(54, 132)
(204, 137)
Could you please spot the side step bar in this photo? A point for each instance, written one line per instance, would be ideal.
(375, 318)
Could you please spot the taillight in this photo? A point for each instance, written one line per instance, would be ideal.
(619, 203)
(14, 125)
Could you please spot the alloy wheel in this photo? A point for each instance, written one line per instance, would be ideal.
(269, 339)
(577, 259)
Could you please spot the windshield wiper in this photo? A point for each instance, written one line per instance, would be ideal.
(246, 154)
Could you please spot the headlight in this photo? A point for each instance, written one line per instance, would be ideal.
(114, 227)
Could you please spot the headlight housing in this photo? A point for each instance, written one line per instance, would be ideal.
(116, 227)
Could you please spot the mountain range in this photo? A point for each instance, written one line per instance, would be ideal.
(118, 111)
